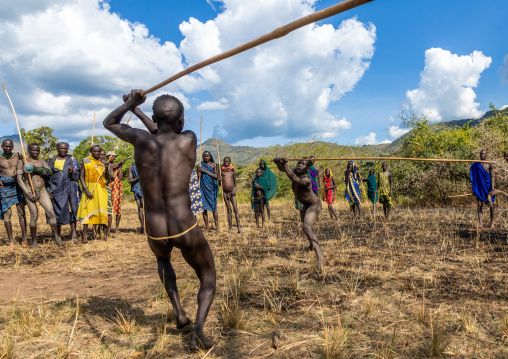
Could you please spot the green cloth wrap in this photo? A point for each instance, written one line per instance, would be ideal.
(271, 181)
(372, 188)
(42, 171)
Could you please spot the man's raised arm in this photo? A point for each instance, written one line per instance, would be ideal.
(112, 121)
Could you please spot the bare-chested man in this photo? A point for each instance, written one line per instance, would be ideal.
(483, 183)
(40, 170)
(229, 191)
(10, 192)
(302, 189)
(165, 161)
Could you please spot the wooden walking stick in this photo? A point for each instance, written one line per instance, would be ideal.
(200, 140)
(275, 34)
(20, 139)
(389, 159)
(221, 186)
(93, 128)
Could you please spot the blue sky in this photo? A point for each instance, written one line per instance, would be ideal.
(62, 60)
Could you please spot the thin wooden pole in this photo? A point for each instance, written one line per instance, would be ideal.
(461, 195)
(20, 139)
(275, 34)
(200, 140)
(93, 128)
(389, 159)
(221, 186)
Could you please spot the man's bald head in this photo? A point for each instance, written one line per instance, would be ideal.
(167, 109)
(7, 142)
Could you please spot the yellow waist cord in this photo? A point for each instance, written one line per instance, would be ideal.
(175, 236)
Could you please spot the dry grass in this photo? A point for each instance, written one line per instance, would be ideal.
(427, 284)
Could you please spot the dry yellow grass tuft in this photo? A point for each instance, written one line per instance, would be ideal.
(427, 284)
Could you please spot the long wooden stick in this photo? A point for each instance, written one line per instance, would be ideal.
(200, 140)
(221, 186)
(20, 139)
(389, 159)
(93, 128)
(461, 195)
(275, 34)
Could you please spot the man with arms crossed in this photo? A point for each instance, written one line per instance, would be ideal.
(165, 161)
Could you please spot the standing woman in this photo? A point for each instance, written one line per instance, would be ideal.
(372, 190)
(330, 191)
(271, 180)
(209, 188)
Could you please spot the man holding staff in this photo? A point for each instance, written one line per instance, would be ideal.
(165, 161)
(63, 188)
(10, 192)
(93, 207)
(38, 172)
(483, 184)
(302, 189)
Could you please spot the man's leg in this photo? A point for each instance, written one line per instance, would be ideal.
(47, 204)
(8, 227)
(492, 217)
(227, 199)
(359, 211)
(268, 209)
(237, 215)
(22, 221)
(118, 217)
(168, 278)
(332, 212)
(262, 213)
(480, 214)
(74, 235)
(205, 219)
(311, 215)
(34, 215)
(199, 256)
(85, 233)
(216, 220)
(110, 224)
(140, 215)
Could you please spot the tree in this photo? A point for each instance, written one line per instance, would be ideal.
(43, 136)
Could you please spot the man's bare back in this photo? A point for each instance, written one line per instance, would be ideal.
(165, 160)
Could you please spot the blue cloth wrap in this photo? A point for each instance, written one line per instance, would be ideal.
(481, 181)
(209, 189)
(64, 187)
(10, 194)
(136, 189)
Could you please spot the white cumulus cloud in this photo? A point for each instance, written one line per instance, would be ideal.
(213, 105)
(446, 85)
(64, 59)
(370, 139)
(396, 131)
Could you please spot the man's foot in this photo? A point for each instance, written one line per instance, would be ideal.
(74, 239)
(85, 240)
(230, 230)
(217, 230)
(181, 324)
(24, 244)
(200, 342)
(11, 245)
(58, 242)
(240, 230)
(34, 244)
